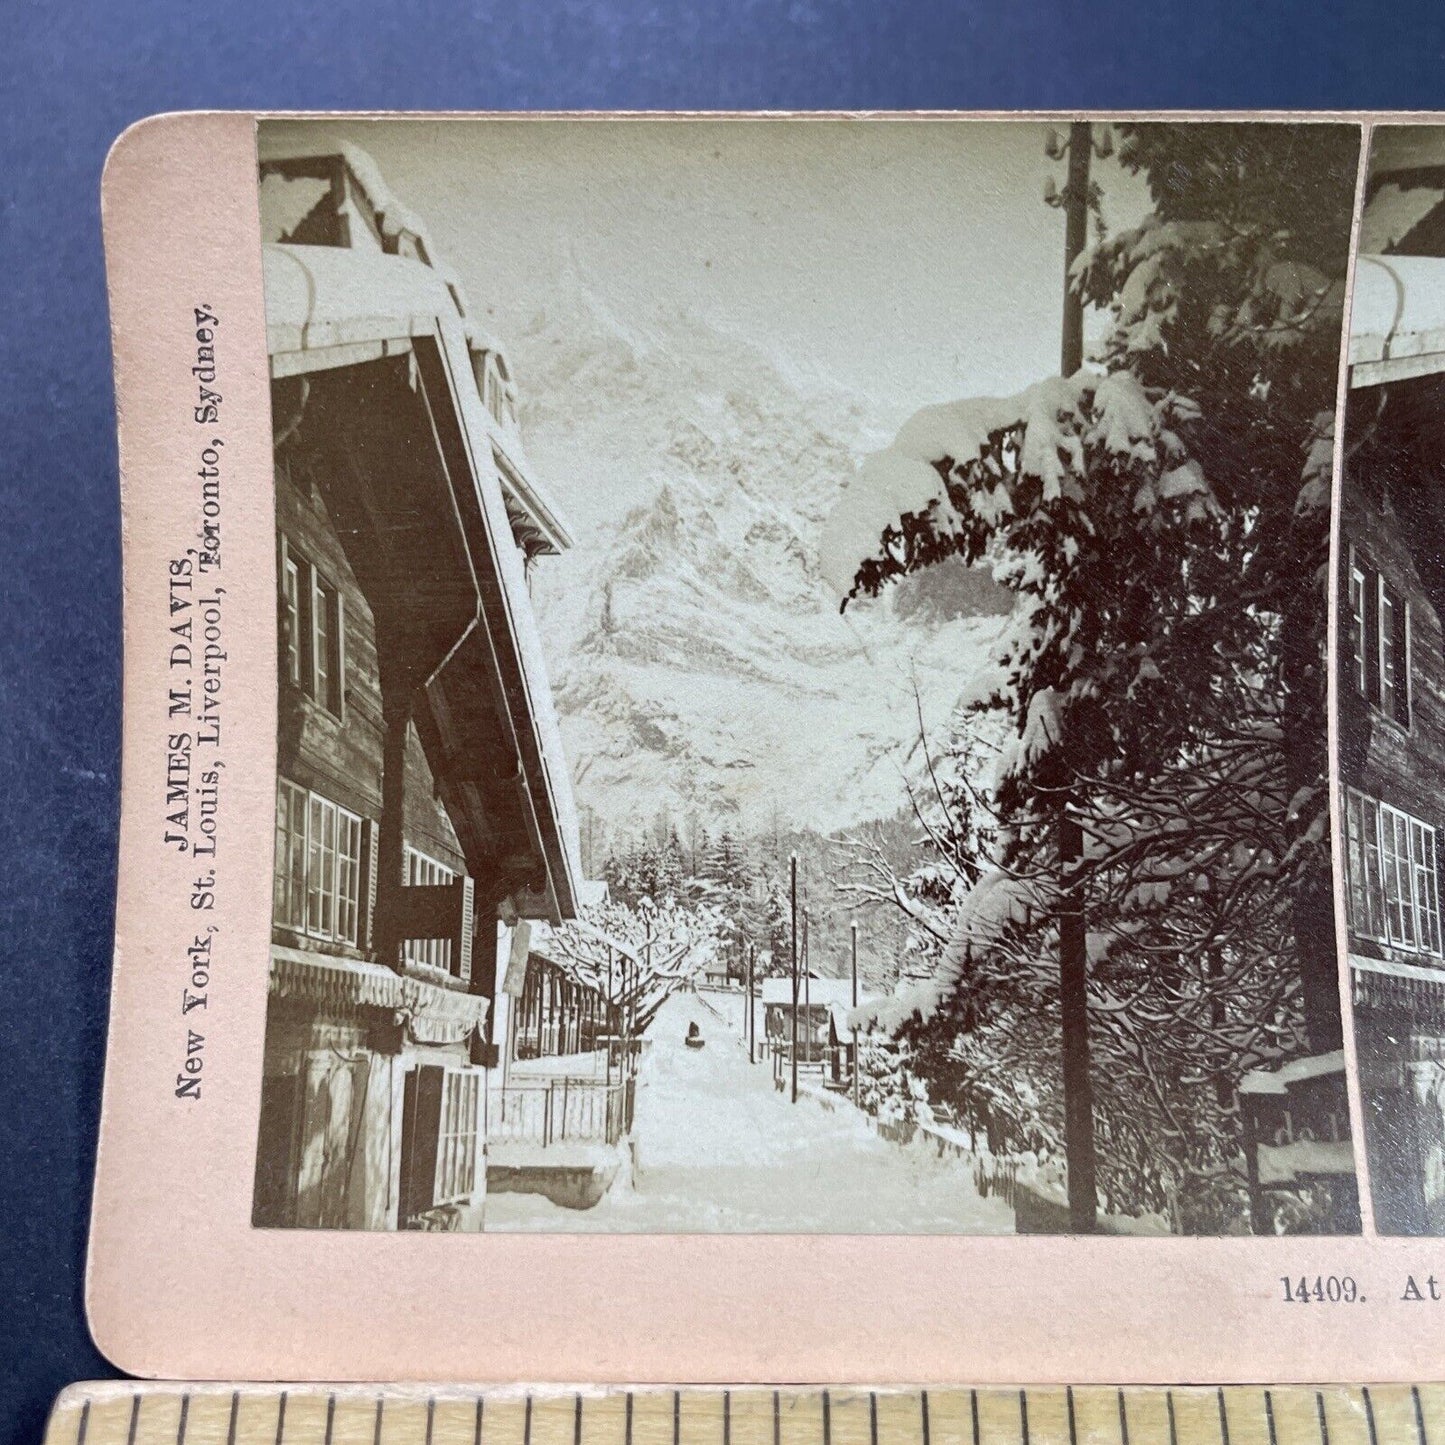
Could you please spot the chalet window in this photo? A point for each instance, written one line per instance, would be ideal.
(289, 902)
(1379, 641)
(496, 389)
(317, 871)
(492, 391)
(1393, 879)
(325, 643)
(441, 1117)
(422, 871)
(291, 615)
(456, 1174)
(312, 629)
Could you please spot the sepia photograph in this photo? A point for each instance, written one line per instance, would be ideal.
(1391, 592)
(803, 677)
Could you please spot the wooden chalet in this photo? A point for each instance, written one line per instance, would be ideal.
(423, 803)
(1392, 680)
(1296, 1122)
(545, 1012)
(818, 1000)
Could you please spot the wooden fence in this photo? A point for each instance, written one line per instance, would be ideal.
(556, 1110)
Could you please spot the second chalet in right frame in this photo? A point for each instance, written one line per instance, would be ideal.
(1391, 675)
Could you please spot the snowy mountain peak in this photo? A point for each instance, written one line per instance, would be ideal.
(575, 308)
(700, 662)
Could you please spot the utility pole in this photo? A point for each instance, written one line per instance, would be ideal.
(612, 1021)
(751, 1023)
(1079, 1149)
(854, 931)
(807, 993)
(793, 897)
(1075, 201)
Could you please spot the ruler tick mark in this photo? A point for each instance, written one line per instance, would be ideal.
(1236, 1420)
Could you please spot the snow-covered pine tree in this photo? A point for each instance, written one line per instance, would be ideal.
(1163, 525)
(671, 874)
(777, 924)
(729, 885)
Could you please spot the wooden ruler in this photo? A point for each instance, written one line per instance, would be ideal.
(120, 1413)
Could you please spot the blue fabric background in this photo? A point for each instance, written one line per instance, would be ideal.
(73, 75)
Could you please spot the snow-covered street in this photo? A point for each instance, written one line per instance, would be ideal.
(718, 1148)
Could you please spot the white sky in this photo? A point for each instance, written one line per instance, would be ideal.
(906, 261)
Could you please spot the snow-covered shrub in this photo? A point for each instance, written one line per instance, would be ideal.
(887, 1086)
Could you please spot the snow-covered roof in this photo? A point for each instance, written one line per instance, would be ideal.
(819, 992)
(1297, 1071)
(1396, 148)
(1417, 973)
(1287, 1163)
(433, 289)
(1397, 319)
(323, 297)
(392, 215)
(328, 306)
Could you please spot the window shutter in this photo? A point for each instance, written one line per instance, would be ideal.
(369, 831)
(286, 603)
(462, 947)
(420, 1128)
(339, 668)
(1399, 644)
(274, 1200)
(1372, 634)
(306, 621)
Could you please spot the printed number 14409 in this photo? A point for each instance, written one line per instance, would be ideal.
(1333, 1289)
